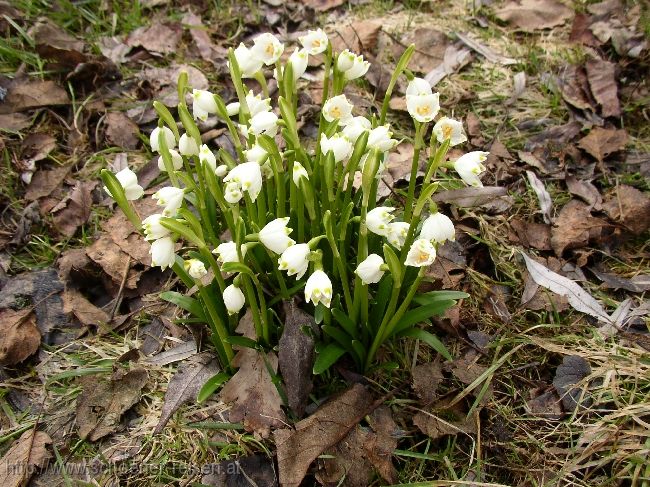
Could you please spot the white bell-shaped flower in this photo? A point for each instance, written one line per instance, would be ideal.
(152, 228)
(418, 87)
(299, 171)
(129, 182)
(221, 170)
(256, 153)
(227, 252)
(438, 228)
(294, 260)
(318, 289)
(397, 232)
(356, 127)
(205, 100)
(233, 108)
(177, 161)
(370, 270)
(423, 108)
(249, 64)
(275, 235)
(233, 299)
(264, 123)
(248, 176)
(257, 104)
(422, 253)
(206, 156)
(345, 60)
(169, 138)
(299, 60)
(195, 268)
(448, 128)
(268, 48)
(380, 139)
(338, 108)
(378, 220)
(169, 197)
(339, 144)
(469, 167)
(359, 67)
(187, 146)
(233, 192)
(315, 41)
(162, 253)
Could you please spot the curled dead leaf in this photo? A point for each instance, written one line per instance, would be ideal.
(19, 335)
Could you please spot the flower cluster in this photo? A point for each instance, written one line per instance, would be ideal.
(279, 207)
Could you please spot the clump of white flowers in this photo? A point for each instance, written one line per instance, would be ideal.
(275, 220)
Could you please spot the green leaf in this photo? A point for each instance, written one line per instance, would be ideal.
(188, 123)
(241, 341)
(165, 114)
(182, 230)
(381, 301)
(429, 339)
(436, 296)
(236, 267)
(394, 265)
(190, 305)
(418, 315)
(211, 385)
(345, 321)
(359, 349)
(327, 357)
(340, 336)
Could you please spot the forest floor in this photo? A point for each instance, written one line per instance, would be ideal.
(550, 381)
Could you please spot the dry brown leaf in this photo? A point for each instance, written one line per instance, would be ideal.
(113, 261)
(400, 161)
(186, 384)
(207, 50)
(163, 82)
(35, 147)
(637, 284)
(359, 36)
(121, 131)
(44, 182)
(25, 456)
(601, 142)
(602, 81)
(296, 356)
(574, 227)
(630, 207)
(543, 196)
(255, 398)
(532, 15)
(466, 370)
(569, 373)
(54, 43)
(535, 235)
(298, 448)
(470, 197)
(15, 121)
(158, 38)
(114, 49)
(26, 94)
(177, 353)
(74, 210)
(574, 87)
(102, 402)
(430, 48)
(253, 471)
(580, 31)
(455, 58)
(426, 380)
(545, 405)
(76, 303)
(585, 190)
(19, 335)
(485, 51)
(323, 5)
(442, 421)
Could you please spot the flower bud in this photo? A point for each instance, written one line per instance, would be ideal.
(380, 138)
(233, 108)
(177, 161)
(469, 167)
(345, 60)
(438, 228)
(169, 197)
(205, 101)
(187, 146)
(294, 260)
(318, 289)
(221, 170)
(275, 235)
(418, 87)
(356, 127)
(422, 253)
(370, 270)
(358, 69)
(299, 61)
(315, 41)
(378, 219)
(248, 177)
(162, 253)
(195, 268)
(152, 228)
(206, 156)
(299, 172)
(169, 138)
(256, 153)
(234, 299)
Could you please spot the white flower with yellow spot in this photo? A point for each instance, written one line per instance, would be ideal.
(249, 64)
(338, 144)
(187, 146)
(422, 253)
(206, 156)
(275, 235)
(152, 228)
(397, 232)
(318, 289)
(469, 167)
(338, 108)
(227, 252)
(315, 41)
(423, 108)
(378, 219)
(449, 129)
(370, 270)
(246, 176)
(268, 48)
(195, 268)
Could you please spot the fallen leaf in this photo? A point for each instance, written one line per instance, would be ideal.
(449, 266)
(102, 403)
(121, 131)
(35, 147)
(360, 36)
(253, 394)
(296, 356)
(430, 47)
(323, 5)
(484, 50)
(15, 121)
(158, 38)
(27, 94)
(601, 142)
(54, 43)
(207, 50)
(535, 297)
(76, 303)
(455, 58)
(574, 227)
(442, 420)
(570, 373)
(578, 298)
(584, 190)
(467, 370)
(180, 352)
(546, 405)
(496, 303)
(185, 385)
(114, 49)
(532, 15)
(74, 210)
(543, 196)
(113, 260)
(580, 30)
(530, 234)
(557, 137)
(630, 207)
(44, 182)
(574, 86)
(495, 197)
(400, 161)
(255, 470)
(19, 335)
(637, 284)
(427, 378)
(28, 217)
(28, 454)
(602, 81)
(298, 448)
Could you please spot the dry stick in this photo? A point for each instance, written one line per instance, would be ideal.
(118, 298)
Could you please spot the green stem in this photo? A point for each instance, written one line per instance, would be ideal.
(219, 328)
(414, 170)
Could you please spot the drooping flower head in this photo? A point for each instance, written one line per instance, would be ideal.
(227, 252)
(162, 253)
(315, 41)
(195, 268)
(318, 289)
(418, 87)
(422, 253)
(152, 228)
(338, 144)
(448, 128)
(264, 123)
(275, 235)
(359, 67)
(233, 299)
(268, 48)
(256, 153)
(338, 108)
(469, 167)
(249, 64)
(423, 108)
(169, 138)
(299, 60)
(397, 232)
(169, 197)
(378, 219)
(369, 270)
(203, 104)
(299, 172)
(206, 156)
(356, 127)
(247, 177)
(177, 161)
(294, 260)
(187, 146)
(129, 182)
(438, 228)
(257, 104)
(380, 138)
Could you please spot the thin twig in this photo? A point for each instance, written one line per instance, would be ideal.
(118, 298)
